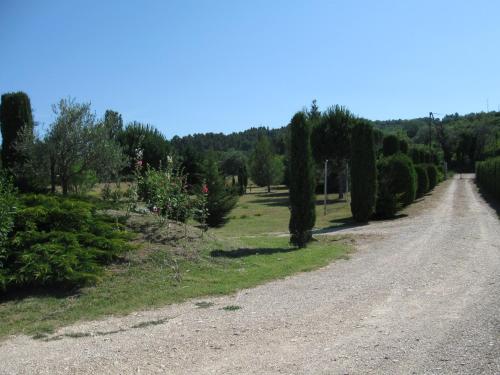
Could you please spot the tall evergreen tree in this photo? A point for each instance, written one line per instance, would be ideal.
(363, 172)
(302, 184)
(15, 116)
(220, 199)
(16, 121)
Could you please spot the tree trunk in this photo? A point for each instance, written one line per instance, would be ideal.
(64, 183)
(268, 188)
(341, 185)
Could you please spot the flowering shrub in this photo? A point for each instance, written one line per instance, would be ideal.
(165, 193)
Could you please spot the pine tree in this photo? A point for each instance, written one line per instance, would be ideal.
(363, 172)
(302, 184)
(220, 199)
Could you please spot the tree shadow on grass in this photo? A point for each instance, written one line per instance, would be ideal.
(21, 293)
(245, 252)
(278, 202)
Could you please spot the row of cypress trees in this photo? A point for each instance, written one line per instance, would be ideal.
(380, 188)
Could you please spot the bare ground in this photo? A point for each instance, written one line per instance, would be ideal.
(420, 296)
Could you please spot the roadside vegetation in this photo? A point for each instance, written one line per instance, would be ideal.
(99, 218)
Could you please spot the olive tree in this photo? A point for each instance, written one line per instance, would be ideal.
(78, 144)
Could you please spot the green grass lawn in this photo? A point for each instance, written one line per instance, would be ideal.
(241, 254)
(262, 213)
(221, 267)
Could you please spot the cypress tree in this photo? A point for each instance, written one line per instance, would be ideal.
(363, 172)
(302, 184)
(15, 117)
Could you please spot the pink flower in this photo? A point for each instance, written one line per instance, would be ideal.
(204, 189)
(139, 163)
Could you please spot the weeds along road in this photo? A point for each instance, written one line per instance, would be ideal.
(421, 295)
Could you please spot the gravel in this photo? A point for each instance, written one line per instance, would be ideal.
(420, 295)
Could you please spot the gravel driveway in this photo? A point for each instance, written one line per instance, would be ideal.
(421, 295)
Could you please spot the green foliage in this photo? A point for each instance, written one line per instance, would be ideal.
(165, 192)
(330, 136)
(397, 184)
(79, 147)
(266, 169)
(60, 242)
(363, 172)
(220, 199)
(403, 146)
(152, 142)
(16, 121)
(232, 161)
(242, 179)
(432, 173)
(422, 180)
(488, 176)
(391, 145)
(302, 184)
(8, 204)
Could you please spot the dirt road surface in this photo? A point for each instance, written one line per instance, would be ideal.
(421, 295)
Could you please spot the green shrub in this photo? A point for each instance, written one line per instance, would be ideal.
(387, 202)
(403, 146)
(59, 242)
(363, 172)
(422, 180)
(488, 176)
(403, 178)
(397, 184)
(432, 172)
(8, 204)
(390, 145)
(165, 192)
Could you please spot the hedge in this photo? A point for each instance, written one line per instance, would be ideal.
(422, 180)
(488, 176)
(397, 184)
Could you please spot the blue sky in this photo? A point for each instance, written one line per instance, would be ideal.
(222, 66)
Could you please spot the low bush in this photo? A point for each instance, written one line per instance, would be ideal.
(422, 180)
(165, 192)
(397, 184)
(488, 176)
(59, 242)
(8, 203)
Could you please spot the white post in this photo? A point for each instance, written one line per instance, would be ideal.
(325, 187)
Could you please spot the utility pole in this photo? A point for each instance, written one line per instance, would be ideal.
(431, 118)
(325, 186)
